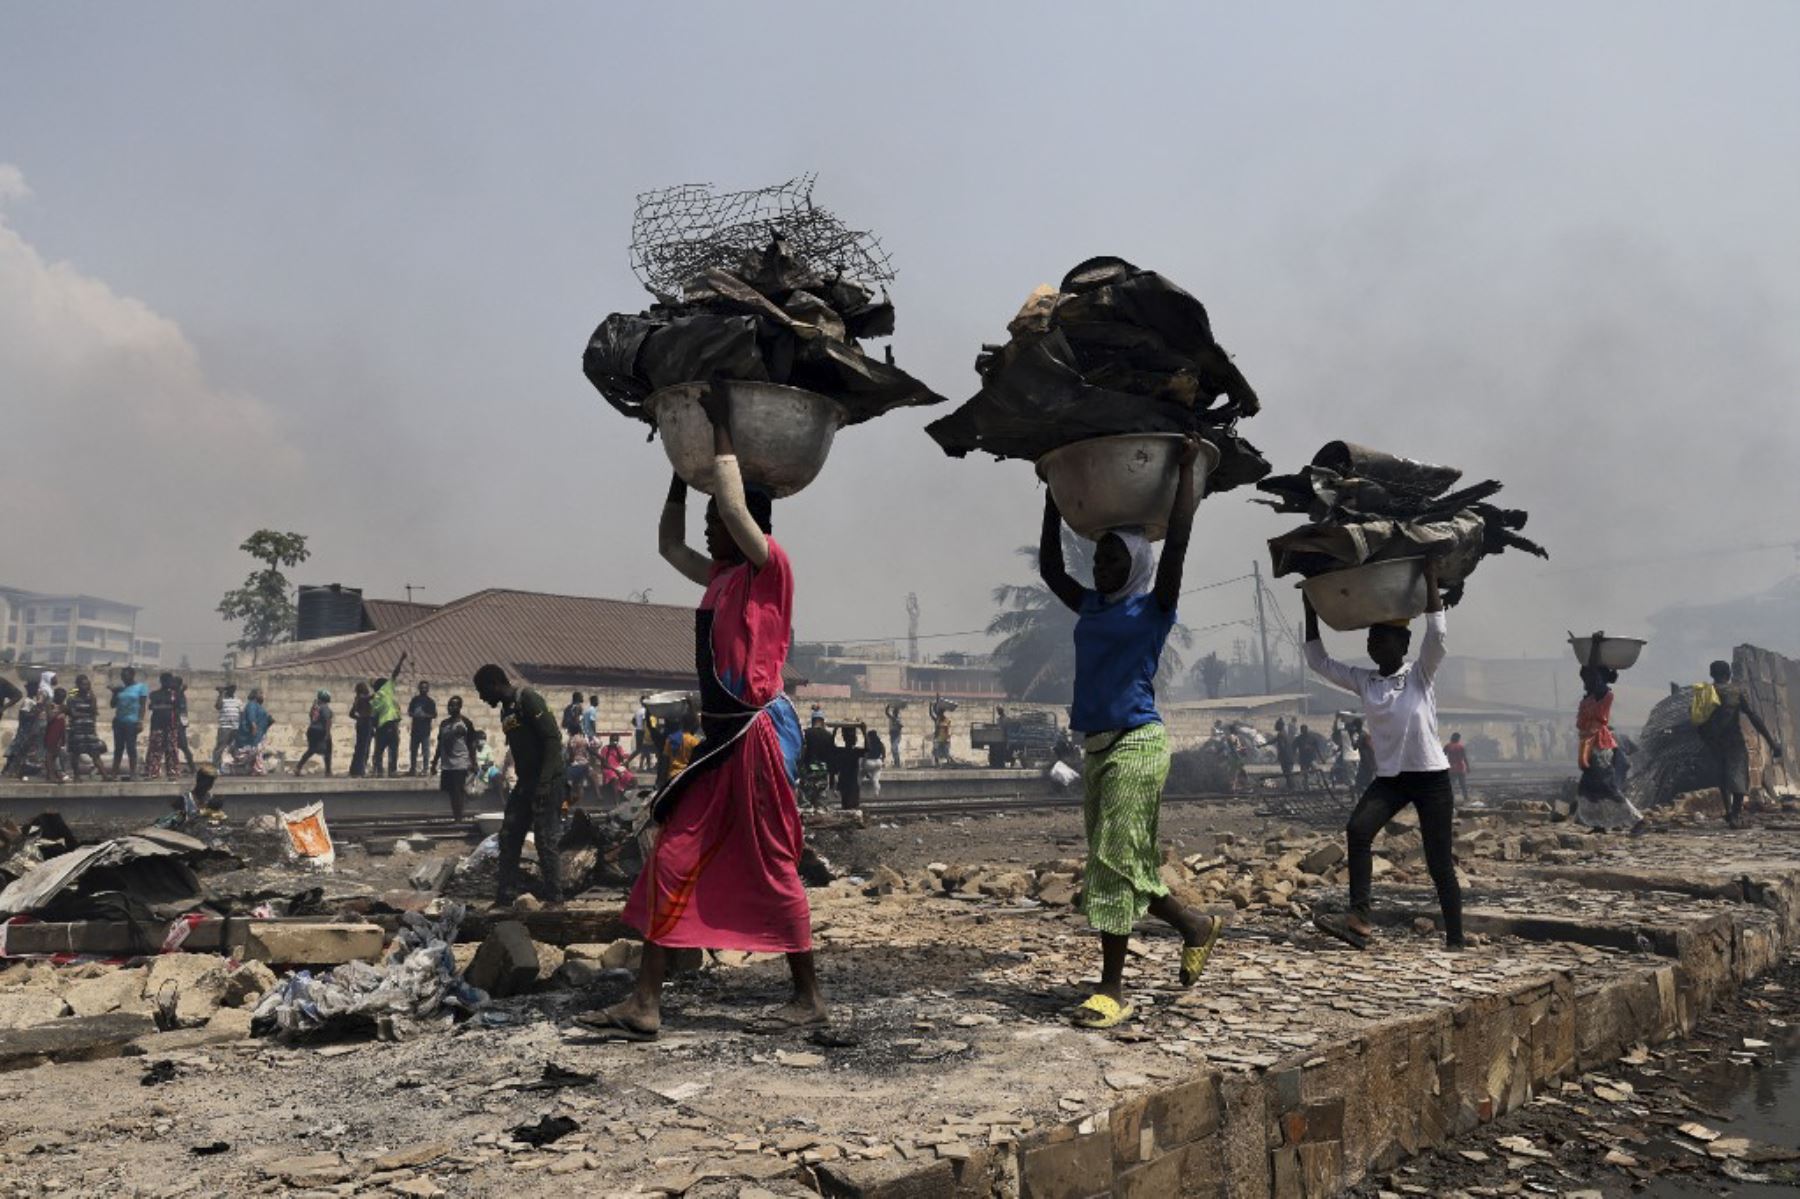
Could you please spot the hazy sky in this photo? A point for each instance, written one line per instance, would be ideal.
(330, 268)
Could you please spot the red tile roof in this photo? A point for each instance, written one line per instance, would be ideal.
(536, 637)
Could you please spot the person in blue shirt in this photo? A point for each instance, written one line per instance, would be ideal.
(1120, 627)
(253, 727)
(128, 702)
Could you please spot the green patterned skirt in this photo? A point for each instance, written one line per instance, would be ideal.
(1123, 777)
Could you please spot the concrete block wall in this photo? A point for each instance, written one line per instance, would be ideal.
(1320, 1121)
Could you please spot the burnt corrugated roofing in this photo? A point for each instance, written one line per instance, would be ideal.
(604, 638)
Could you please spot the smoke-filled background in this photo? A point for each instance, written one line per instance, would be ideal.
(330, 268)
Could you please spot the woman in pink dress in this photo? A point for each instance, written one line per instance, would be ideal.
(724, 872)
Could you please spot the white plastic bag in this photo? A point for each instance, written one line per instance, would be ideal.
(308, 837)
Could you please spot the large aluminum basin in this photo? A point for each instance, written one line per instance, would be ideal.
(1374, 593)
(1616, 653)
(1126, 479)
(670, 705)
(782, 434)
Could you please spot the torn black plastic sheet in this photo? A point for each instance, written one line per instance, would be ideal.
(1114, 350)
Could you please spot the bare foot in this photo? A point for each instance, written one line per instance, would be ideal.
(798, 1012)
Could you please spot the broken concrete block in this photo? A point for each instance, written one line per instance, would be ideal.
(230, 1022)
(1059, 889)
(623, 955)
(412, 1156)
(118, 989)
(433, 875)
(312, 1169)
(585, 951)
(507, 962)
(77, 1038)
(1323, 858)
(958, 878)
(251, 978)
(25, 1008)
(1008, 886)
(550, 958)
(577, 975)
(196, 981)
(884, 880)
(308, 943)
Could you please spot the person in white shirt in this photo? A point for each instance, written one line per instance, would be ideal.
(231, 711)
(1400, 716)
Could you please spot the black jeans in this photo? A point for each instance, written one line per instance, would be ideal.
(387, 747)
(536, 809)
(1429, 792)
(418, 753)
(125, 735)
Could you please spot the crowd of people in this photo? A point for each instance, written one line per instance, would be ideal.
(58, 739)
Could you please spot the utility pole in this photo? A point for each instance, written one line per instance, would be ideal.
(912, 626)
(1262, 629)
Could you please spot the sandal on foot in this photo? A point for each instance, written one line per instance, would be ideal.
(1193, 957)
(1102, 1011)
(1339, 927)
(772, 1023)
(609, 1027)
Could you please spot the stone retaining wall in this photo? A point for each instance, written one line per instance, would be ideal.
(1318, 1122)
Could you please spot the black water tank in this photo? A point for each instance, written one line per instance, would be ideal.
(331, 611)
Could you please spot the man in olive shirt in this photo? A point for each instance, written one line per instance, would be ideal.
(535, 802)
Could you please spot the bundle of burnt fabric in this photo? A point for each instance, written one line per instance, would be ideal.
(1113, 349)
(775, 319)
(1367, 506)
(1672, 757)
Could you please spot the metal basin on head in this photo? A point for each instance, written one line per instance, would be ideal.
(1616, 653)
(1374, 593)
(1122, 480)
(667, 705)
(782, 434)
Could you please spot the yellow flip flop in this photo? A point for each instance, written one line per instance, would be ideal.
(1102, 1011)
(1194, 957)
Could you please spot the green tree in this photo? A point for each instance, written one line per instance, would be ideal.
(264, 605)
(1036, 651)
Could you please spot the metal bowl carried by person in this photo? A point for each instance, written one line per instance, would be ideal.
(1616, 653)
(782, 434)
(1371, 594)
(1121, 481)
(671, 705)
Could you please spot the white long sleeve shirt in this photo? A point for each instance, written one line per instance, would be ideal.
(1399, 710)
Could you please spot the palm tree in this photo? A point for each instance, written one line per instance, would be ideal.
(1210, 672)
(1036, 651)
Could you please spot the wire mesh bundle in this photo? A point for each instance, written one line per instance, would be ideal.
(678, 233)
(752, 286)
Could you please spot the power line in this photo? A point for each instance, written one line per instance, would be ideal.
(1220, 583)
